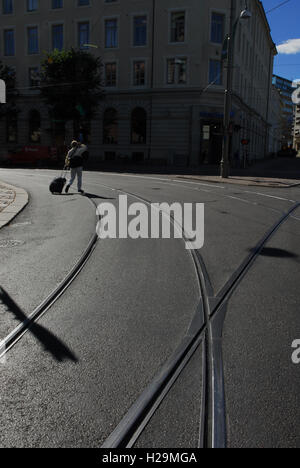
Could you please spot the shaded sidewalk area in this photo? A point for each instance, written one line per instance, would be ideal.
(279, 173)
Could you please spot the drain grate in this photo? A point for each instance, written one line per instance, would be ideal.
(10, 243)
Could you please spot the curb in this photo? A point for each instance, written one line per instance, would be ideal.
(12, 210)
(245, 183)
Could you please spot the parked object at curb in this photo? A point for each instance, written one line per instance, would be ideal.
(287, 153)
(32, 155)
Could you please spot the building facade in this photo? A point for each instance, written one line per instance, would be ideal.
(277, 121)
(286, 89)
(163, 75)
(296, 123)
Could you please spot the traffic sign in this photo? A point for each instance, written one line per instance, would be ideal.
(245, 142)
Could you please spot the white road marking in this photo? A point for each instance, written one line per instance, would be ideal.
(241, 199)
(198, 183)
(269, 196)
(167, 182)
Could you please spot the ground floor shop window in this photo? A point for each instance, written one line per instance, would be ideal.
(34, 126)
(138, 126)
(109, 156)
(212, 141)
(138, 157)
(12, 128)
(110, 127)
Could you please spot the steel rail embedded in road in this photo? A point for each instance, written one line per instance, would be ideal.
(213, 419)
(9, 341)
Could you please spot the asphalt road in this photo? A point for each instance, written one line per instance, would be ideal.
(70, 380)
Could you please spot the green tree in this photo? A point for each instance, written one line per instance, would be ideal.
(71, 87)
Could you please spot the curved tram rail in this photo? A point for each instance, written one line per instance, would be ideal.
(7, 343)
(206, 327)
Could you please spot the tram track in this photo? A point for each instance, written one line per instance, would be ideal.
(206, 328)
(12, 338)
(213, 432)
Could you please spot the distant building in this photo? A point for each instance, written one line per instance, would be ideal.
(163, 76)
(277, 121)
(296, 126)
(286, 90)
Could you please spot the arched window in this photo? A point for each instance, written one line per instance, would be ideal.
(34, 126)
(110, 127)
(139, 126)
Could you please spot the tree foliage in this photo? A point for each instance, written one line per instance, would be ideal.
(71, 84)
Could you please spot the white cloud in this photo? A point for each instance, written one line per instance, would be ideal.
(292, 46)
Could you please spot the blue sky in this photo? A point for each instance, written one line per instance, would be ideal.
(285, 29)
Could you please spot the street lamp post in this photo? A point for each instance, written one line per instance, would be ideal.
(245, 14)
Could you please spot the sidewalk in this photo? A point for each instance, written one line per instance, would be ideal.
(246, 181)
(12, 201)
(276, 173)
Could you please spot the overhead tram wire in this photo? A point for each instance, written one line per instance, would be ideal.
(278, 6)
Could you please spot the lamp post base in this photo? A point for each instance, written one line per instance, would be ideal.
(224, 170)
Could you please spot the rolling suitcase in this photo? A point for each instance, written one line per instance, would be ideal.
(57, 185)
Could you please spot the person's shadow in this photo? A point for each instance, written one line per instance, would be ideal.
(49, 341)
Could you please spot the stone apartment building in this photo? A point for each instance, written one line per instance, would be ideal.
(296, 123)
(163, 76)
(277, 121)
(286, 89)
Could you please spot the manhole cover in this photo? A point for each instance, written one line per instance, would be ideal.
(10, 243)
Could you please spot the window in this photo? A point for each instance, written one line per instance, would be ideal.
(12, 127)
(140, 31)
(34, 126)
(57, 37)
(33, 77)
(110, 156)
(7, 7)
(139, 126)
(32, 40)
(83, 2)
(217, 28)
(57, 4)
(111, 74)
(178, 26)
(215, 72)
(176, 71)
(83, 34)
(32, 5)
(110, 127)
(138, 157)
(111, 33)
(139, 78)
(9, 42)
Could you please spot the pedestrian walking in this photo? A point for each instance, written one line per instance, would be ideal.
(75, 161)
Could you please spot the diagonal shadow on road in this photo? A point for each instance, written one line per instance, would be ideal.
(49, 341)
(92, 195)
(274, 252)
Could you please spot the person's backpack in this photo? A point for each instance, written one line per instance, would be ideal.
(76, 159)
